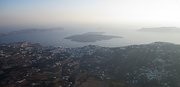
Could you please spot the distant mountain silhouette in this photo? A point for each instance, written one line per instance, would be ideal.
(24, 31)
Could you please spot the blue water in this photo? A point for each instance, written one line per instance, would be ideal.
(56, 38)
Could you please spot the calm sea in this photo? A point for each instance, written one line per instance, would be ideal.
(56, 38)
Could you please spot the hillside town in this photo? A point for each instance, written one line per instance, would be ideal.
(25, 64)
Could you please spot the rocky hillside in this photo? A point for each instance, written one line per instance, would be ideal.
(31, 65)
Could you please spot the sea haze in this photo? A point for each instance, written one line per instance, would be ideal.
(81, 36)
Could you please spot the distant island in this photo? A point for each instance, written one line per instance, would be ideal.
(161, 29)
(91, 37)
(24, 31)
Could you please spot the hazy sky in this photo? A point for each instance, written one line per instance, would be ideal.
(19, 12)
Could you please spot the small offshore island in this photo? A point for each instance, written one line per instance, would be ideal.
(91, 37)
(161, 29)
